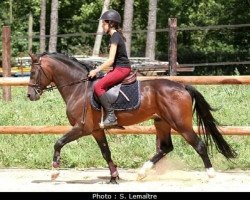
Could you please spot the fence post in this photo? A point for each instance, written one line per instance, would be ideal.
(172, 47)
(6, 42)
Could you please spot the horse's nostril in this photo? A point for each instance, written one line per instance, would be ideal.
(28, 95)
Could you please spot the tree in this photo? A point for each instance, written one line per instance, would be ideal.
(98, 38)
(150, 45)
(53, 26)
(42, 26)
(127, 23)
(30, 32)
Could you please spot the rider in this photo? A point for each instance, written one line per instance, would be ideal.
(118, 59)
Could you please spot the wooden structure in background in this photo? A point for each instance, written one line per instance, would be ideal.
(194, 80)
(136, 129)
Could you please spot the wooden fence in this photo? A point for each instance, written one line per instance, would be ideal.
(136, 129)
(197, 80)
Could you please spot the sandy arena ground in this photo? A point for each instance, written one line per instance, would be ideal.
(159, 179)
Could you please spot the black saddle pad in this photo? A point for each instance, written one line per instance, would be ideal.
(132, 92)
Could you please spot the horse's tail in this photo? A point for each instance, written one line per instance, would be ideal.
(208, 124)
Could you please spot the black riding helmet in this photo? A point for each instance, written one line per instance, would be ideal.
(111, 15)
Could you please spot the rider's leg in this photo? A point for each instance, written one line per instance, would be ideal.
(110, 118)
(112, 78)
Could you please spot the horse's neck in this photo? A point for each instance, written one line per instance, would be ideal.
(68, 79)
(73, 90)
(66, 76)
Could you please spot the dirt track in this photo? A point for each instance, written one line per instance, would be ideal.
(95, 180)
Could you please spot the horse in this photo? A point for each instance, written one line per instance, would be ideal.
(169, 104)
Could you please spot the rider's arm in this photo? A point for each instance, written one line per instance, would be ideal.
(109, 62)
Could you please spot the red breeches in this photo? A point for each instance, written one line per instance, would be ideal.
(115, 76)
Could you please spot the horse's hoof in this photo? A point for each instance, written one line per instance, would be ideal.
(113, 180)
(145, 168)
(141, 175)
(211, 172)
(55, 173)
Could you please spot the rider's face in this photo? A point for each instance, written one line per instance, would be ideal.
(105, 26)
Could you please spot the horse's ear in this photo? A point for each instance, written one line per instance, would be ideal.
(34, 58)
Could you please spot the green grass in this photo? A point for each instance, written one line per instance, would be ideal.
(128, 151)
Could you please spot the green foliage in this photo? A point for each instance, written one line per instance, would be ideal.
(202, 46)
(198, 46)
(54, 115)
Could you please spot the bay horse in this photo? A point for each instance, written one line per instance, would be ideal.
(168, 103)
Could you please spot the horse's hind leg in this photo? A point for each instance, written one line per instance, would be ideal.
(73, 134)
(164, 145)
(103, 144)
(199, 146)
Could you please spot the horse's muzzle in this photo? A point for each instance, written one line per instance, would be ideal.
(33, 97)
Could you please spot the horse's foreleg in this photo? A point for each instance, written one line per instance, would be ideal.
(103, 144)
(164, 146)
(73, 134)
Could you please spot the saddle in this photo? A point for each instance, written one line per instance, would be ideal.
(123, 96)
(131, 78)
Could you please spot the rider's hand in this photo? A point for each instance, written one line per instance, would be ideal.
(92, 73)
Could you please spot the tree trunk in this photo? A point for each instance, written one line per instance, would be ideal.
(11, 11)
(30, 32)
(150, 45)
(98, 38)
(6, 56)
(53, 26)
(127, 23)
(42, 26)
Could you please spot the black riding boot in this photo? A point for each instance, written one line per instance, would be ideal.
(110, 118)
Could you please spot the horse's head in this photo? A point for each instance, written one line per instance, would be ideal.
(39, 78)
(60, 69)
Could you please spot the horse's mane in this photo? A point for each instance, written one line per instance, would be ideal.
(70, 60)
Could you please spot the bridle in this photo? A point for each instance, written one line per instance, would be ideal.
(39, 89)
(37, 85)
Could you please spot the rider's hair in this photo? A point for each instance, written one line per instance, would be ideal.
(113, 24)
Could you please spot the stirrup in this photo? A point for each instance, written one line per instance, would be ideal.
(110, 125)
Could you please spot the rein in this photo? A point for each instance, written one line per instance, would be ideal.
(51, 87)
